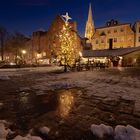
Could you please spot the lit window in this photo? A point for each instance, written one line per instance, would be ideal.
(108, 23)
(115, 39)
(129, 39)
(96, 41)
(102, 41)
(122, 30)
(108, 41)
(139, 39)
(115, 31)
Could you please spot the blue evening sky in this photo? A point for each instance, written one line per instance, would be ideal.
(27, 16)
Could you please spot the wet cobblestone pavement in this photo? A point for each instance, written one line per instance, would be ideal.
(68, 110)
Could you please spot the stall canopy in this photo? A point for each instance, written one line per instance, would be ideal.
(107, 52)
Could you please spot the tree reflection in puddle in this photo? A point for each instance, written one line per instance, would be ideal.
(31, 106)
(66, 102)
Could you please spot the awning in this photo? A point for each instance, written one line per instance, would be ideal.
(107, 52)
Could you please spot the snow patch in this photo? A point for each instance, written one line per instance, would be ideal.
(28, 137)
(4, 131)
(4, 77)
(44, 130)
(126, 133)
(119, 133)
(101, 130)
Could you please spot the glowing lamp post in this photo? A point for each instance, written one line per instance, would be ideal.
(38, 55)
(23, 54)
(80, 55)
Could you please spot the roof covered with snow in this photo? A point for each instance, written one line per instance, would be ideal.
(107, 52)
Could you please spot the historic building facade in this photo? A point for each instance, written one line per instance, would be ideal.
(115, 42)
(46, 44)
(137, 33)
(112, 35)
(43, 46)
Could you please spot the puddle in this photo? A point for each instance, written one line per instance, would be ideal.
(30, 106)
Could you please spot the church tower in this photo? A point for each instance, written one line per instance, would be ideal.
(89, 31)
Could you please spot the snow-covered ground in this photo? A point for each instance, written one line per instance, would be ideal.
(5, 74)
(105, 85)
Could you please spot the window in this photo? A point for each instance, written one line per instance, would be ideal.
(115, 39)
(122, 30)
(139, 29)
(102, 34)
(97, 42)
(102, 41)
(109, 32)
(122, 39)
(129, 39)
(115, 31)
(139, 39)
(108, 23)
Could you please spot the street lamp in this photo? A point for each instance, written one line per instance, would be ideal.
(23, 55)
(38, 55)
(80, 55)
(23, 52)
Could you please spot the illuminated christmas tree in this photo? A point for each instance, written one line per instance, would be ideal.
(67, 53)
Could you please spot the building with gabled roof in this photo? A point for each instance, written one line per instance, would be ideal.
(46, 44)
(114, 39)
(113, 35)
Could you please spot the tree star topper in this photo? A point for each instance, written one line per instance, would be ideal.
(66, 17)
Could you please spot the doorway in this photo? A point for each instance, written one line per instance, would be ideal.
(110, 43)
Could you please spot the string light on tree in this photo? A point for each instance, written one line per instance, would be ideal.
(67, 53)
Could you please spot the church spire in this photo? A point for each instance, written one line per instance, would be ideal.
(90, 13)
(89, 25)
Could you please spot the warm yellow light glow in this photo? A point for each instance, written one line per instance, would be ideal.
(18, 57)
(66, 100)
(38, 55)
(80, 54)
(66, 54)
(23, 52)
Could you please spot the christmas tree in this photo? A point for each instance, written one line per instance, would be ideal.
(67, 53)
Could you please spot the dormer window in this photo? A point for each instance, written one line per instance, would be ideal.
(122, 29)
(108, 24)
(112, 22)
(115, 31)
(97, 42)
(102, 34)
